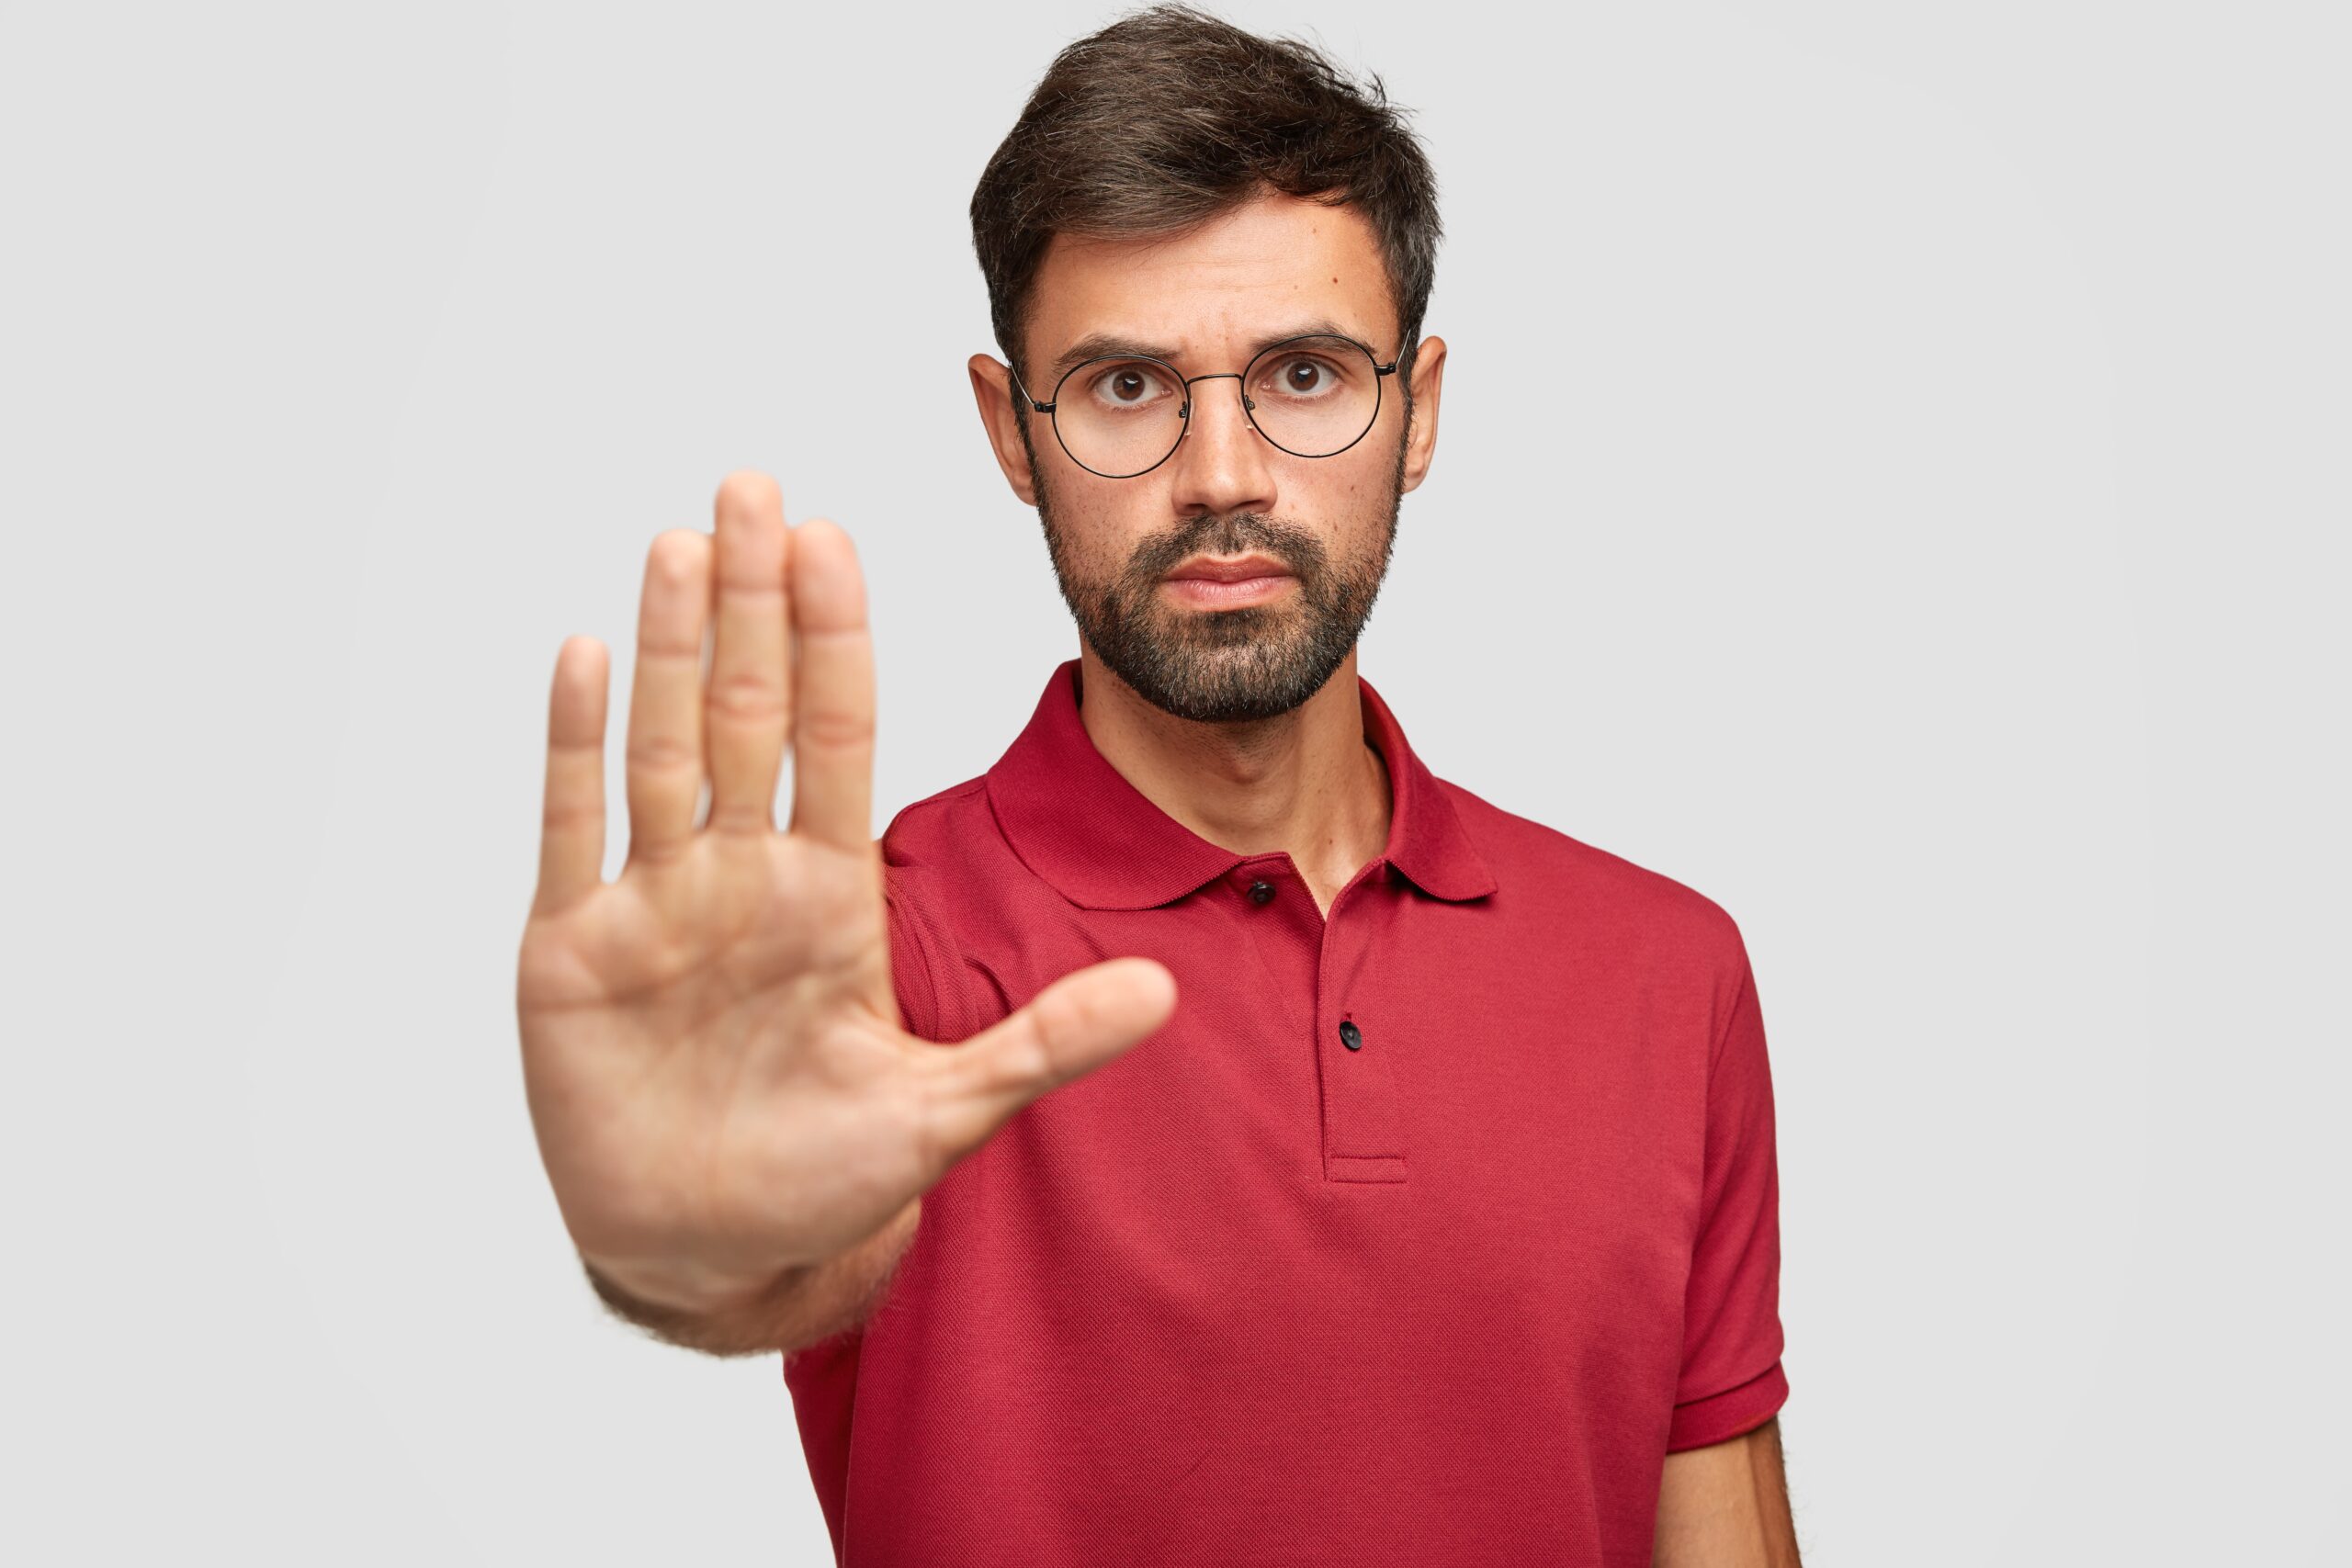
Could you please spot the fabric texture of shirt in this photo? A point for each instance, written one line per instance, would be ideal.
(1420, 1235)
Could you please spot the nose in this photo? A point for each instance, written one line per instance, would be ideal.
(1221, 463)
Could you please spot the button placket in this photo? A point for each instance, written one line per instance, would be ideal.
(1362, 1127)
(1281, 926)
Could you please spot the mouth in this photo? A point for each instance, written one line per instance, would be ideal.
(1240, 569)
(1216, 592)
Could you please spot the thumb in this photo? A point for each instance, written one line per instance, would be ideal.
(1086, 1019)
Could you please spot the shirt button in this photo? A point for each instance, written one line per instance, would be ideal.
(1351, 1037)
(1261, 891)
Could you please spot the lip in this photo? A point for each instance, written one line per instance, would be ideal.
(1241, 568)
(1209, 593)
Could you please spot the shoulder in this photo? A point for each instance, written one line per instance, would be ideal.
(1551, 877)
(948, 854)
(928, 831)
(943, 852)
(928, 871)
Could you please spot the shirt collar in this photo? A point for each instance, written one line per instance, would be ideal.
(1077, 822)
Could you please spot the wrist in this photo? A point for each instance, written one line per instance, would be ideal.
(673, 1289)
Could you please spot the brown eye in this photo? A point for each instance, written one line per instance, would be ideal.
(1306, 379)
(1126, 385)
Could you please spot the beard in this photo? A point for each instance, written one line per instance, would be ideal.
(1225, 666)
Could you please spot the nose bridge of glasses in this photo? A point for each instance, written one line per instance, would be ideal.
(1248, 407)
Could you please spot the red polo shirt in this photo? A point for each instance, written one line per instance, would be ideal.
(1420, 1235)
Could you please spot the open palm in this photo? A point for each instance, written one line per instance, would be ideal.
(720, 1081)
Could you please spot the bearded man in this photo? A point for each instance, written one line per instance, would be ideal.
(1206, 1137)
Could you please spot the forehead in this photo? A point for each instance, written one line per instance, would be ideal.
(1255, 269)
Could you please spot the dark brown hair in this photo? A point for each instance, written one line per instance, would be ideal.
(1170, 115)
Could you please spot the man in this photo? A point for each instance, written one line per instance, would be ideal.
(1207, 1136)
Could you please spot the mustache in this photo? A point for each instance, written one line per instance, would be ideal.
(1236, 533)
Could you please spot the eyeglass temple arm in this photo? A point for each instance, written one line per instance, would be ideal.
(1041, 408)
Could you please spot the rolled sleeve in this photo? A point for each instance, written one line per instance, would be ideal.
(1731, 1381)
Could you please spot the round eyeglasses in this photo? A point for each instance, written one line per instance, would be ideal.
(1123, 415)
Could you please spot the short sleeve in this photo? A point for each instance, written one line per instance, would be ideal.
(927, 968)
(1731, 1381)
(911, 964)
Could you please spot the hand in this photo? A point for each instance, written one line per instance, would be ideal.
(718, 1074)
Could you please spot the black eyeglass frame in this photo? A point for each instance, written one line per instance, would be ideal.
(1184, 413)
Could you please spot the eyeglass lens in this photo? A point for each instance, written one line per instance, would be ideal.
(1311, 397)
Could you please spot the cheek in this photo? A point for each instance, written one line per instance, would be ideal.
(1358, 481)
(1098, 527)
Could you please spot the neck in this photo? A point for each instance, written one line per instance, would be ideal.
(1308, 783)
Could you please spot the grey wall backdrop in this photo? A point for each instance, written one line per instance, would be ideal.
(1890, 479)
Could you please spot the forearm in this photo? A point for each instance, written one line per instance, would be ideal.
(799, 1308)
(1727, 1505)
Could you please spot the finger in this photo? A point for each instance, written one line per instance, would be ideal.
(833, 705)
(749, 661)
(572, 821)
(665, 761)
(1078, 1024)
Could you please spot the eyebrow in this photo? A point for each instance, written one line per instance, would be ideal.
(1108, 346)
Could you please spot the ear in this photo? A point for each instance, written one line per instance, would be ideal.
(1420, 439)
(993, 387)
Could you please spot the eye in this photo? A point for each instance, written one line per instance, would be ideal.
(1305, 378)
(1126, 385)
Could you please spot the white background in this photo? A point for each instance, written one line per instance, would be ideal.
(1893, 478)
